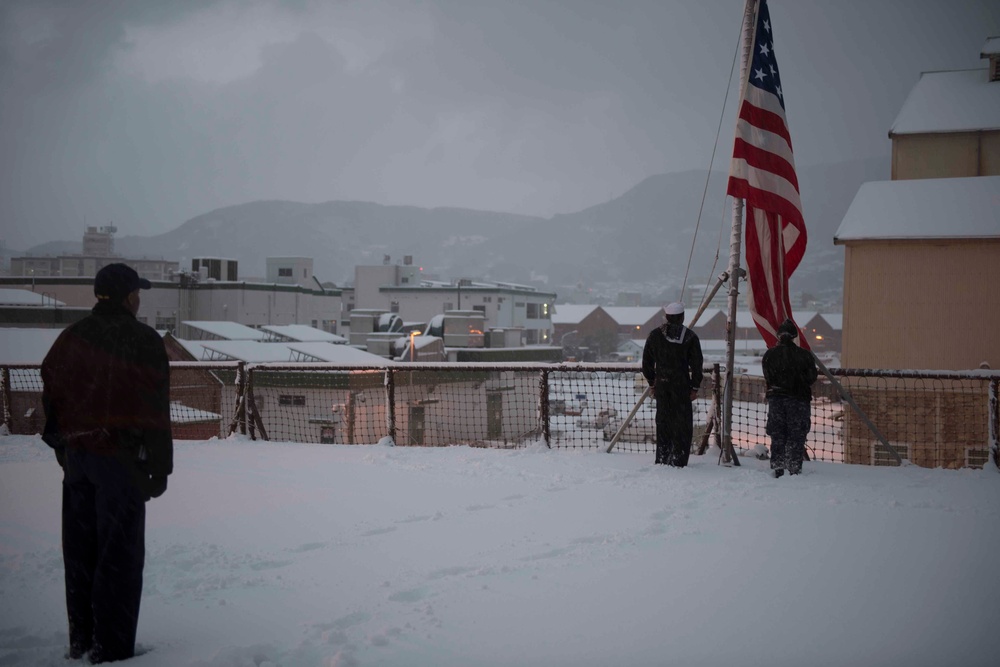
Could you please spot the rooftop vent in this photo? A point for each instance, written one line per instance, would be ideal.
(991, 50)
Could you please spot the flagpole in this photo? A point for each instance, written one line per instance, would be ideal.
(735, 238)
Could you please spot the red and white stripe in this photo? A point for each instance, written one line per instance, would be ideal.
(763, 173)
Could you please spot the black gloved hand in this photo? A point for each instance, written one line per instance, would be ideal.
(157, 486)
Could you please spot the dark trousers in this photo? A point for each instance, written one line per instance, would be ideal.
(788, 424)
(674, 427)
(103, 536)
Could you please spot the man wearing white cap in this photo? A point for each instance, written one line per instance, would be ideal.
(671, 363)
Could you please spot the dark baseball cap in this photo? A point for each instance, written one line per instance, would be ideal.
(116, 281)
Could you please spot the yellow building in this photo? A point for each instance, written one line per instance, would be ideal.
(921, 289)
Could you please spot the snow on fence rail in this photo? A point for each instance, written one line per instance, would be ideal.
(930, 418)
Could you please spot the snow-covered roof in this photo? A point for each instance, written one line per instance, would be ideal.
(26, 346)
(245, 350)
(991, 48)
(24, 297)
(183, 414)
(337, 354)
(633, 315)
(227, 330)
(303, 333)
(802, 317)
(930, 208)
(836, 322)
(314, 352)
(517, 286)
(193, 347)
(957, 101)
(571, 313)
(707, 316)
(713, 346)
(744, 320)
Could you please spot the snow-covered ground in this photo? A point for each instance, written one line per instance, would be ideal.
(269, 554)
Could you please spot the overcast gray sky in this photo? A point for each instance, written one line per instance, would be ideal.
(147, 113)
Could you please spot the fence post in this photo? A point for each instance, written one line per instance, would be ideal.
(242, 389)
(8, 420)
(240, 414)
(390, 398)
(716, 403)
(248, 400)
(995, 420)
(712, 423)
(543, 405)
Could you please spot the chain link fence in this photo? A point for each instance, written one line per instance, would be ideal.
(933, 419)
(202, 399)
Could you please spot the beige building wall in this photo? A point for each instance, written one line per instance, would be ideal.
(948, 155)
(989, 156)
(922, 305)
(933, 423)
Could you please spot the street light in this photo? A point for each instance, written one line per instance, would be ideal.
(562, 339)
(413, 334)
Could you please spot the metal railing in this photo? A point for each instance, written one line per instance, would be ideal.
(933, 419)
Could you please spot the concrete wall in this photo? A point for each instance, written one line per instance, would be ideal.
(300, 270)
(502, 308)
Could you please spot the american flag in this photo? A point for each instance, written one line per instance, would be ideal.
(763, 173)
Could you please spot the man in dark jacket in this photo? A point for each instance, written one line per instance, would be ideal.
(671, 363)
(789, 373)
(107, 416)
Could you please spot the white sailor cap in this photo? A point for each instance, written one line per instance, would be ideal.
(675, 308)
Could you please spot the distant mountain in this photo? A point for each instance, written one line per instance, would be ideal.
(641, 239)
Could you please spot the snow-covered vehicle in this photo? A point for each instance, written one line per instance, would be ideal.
(597, 417)
(642, 428)
(566, 405)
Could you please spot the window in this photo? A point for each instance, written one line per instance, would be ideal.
(481, 309)
(448, 306)
(487, 299)
(532, 313)
(394, 307)
(404, 280)
(286, 399)
(284, 273)
(165, 323)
